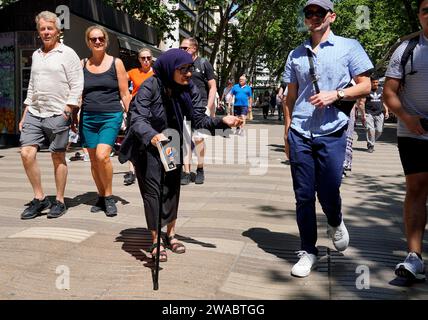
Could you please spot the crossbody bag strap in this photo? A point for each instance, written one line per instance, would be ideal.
(312, 70)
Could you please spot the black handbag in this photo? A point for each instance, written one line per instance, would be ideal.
(343, 105)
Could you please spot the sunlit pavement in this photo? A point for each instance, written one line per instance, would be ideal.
(239, 229)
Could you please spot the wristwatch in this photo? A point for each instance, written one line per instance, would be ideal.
(340, 94)
(67, 113)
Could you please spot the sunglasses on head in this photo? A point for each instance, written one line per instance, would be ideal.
(100, 39)
(145, 58)
(186, 69)
(315, 13)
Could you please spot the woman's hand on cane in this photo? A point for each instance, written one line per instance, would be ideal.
(157, 138)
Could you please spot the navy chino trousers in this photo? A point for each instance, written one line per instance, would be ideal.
(316, 168)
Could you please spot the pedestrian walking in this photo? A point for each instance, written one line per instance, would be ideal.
(203, 77)
(272, 102)
(406, 96)
(315, 141)
(375, 112)
(279, 98)
(137, 76)
(161, 104)
(56, 83)
(347, 164)
(243, 101)
(264, 103)
(227, 97)
(105, 98)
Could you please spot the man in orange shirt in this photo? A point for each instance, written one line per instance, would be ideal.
(137, 76)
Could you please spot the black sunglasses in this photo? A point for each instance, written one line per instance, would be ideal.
(186, 69)
(424, 10)
(316, 13)
(145, 58)
(100, 39)
(184, 48)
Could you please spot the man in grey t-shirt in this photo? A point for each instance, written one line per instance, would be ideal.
(408, 100)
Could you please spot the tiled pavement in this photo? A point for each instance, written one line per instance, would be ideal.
(238, 227)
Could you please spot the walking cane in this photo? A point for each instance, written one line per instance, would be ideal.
(159, 228)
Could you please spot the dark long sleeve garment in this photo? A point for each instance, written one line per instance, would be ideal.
(152, 112)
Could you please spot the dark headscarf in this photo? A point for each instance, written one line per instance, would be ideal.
(164, 69)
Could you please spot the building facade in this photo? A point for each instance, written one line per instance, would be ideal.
(19, 39)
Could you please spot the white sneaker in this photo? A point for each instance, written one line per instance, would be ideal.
(339, 235)
(412, 268)
(86, 157)
(306, 263)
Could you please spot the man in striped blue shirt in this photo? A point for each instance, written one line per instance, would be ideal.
(315, 130)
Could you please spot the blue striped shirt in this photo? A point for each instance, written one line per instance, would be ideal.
(336, 62)
(414, 95)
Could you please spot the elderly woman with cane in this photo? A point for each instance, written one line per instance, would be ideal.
(161, 103)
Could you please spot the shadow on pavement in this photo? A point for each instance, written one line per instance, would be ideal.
(272, 212)
(377, 242)
(274, 242)
(89, 198)
(277, 147)
(136, 240)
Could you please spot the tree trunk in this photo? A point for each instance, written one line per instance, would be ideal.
(411, 16)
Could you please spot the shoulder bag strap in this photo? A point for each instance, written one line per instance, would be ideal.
(408, 53)
(312, 70)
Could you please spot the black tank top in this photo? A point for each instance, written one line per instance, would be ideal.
(101, 90)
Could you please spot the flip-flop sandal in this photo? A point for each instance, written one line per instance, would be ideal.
(176, 247)
(162, 254)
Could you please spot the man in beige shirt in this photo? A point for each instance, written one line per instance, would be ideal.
(56, 83)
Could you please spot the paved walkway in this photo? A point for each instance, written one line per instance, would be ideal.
(239, 229)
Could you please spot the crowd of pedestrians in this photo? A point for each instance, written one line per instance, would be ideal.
(318, 102)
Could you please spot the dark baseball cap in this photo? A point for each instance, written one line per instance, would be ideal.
(325, 4)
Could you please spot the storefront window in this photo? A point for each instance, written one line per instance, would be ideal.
(7, 83)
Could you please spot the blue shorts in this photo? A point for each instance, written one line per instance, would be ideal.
(240, 110)
(99, 128)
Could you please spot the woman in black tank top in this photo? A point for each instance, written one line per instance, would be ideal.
(105, 98)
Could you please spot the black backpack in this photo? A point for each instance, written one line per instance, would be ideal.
(408, 54)
(203, 72)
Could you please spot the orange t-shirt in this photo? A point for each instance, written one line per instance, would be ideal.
(138, 77)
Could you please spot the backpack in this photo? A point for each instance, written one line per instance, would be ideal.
(408, 54)
(203, 61)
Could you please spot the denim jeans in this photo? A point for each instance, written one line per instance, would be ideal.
(316, 168)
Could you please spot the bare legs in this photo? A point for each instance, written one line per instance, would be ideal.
(102, 169)
(415, 212)
(32, 169)
(200, 152)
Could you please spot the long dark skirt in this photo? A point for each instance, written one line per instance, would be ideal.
(148, 169)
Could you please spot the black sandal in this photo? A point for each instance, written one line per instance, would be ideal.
(162, 254)
(176, 247)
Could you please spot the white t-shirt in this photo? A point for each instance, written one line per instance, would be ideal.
(56, 80)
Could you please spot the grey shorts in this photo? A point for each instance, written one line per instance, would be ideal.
(40, 131)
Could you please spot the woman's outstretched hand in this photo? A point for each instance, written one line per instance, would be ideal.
(232, 121)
